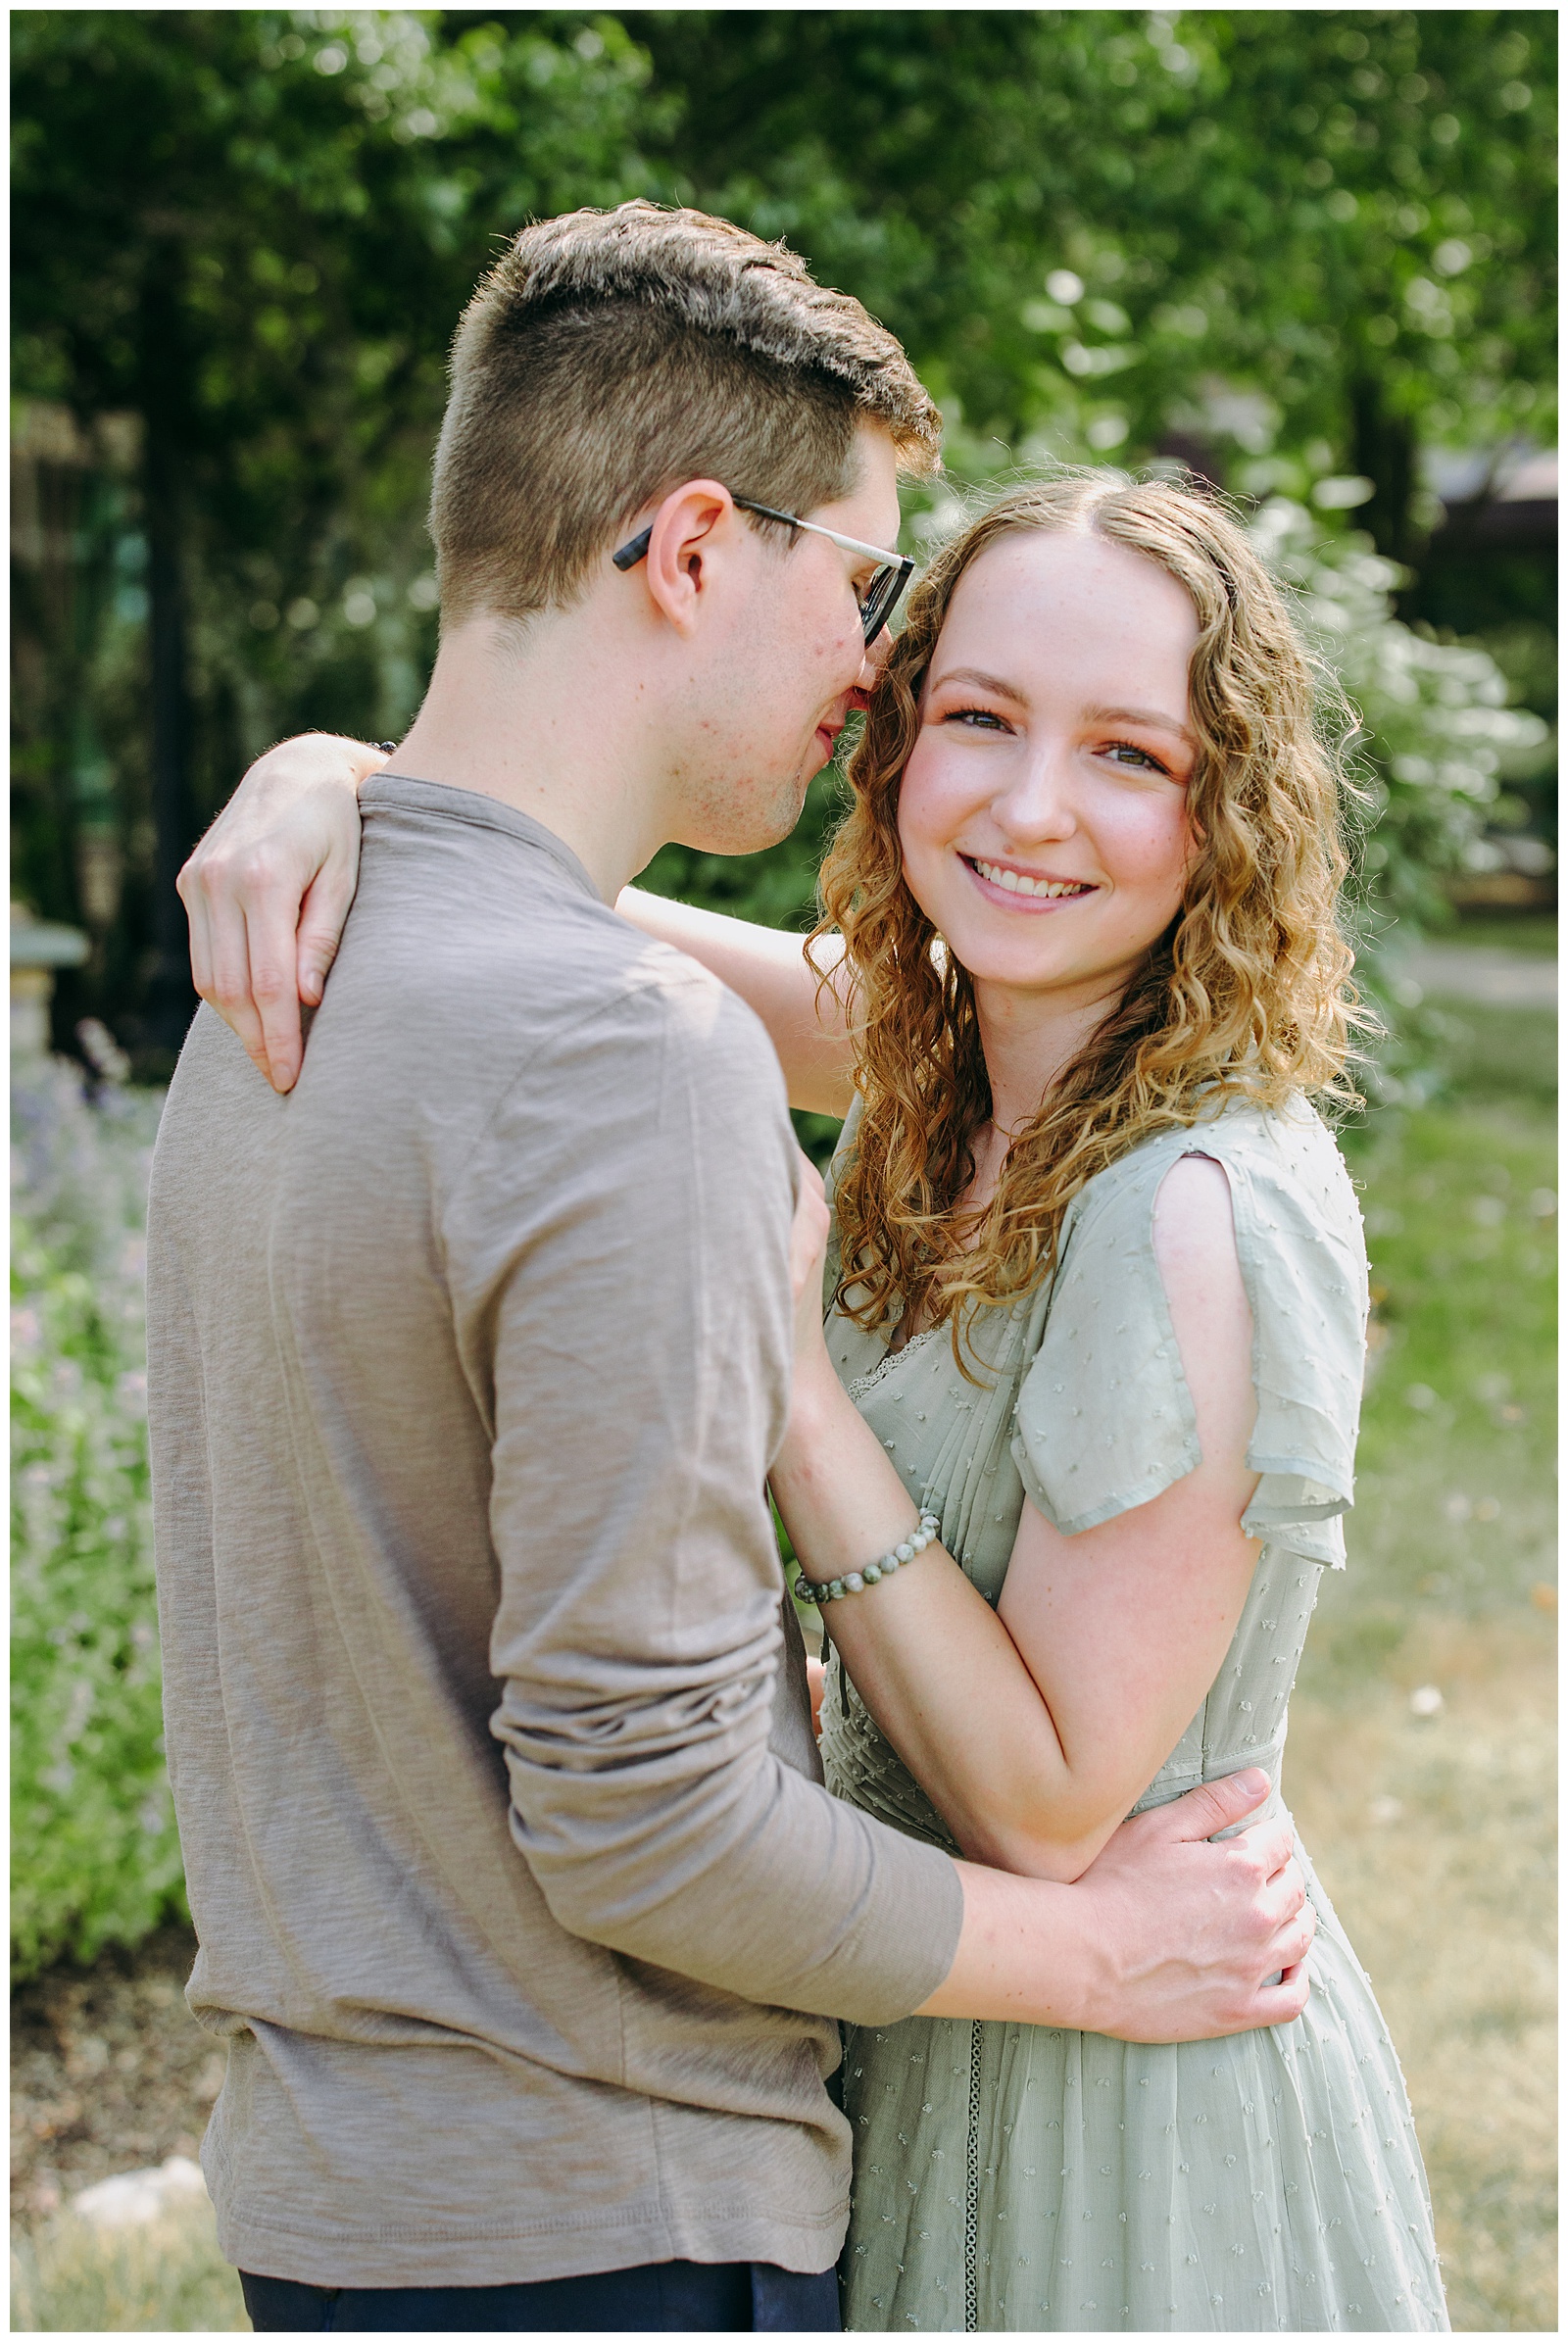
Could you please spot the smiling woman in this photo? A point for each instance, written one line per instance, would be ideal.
(1097, 1296)
(1030, 794)
(1100, 691)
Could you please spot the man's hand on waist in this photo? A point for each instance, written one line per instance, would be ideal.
(1167, 1938)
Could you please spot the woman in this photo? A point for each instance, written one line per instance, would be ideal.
(1098, 1304)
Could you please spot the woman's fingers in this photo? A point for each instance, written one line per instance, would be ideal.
(201, 957)
(284, 850)
(817, 1677)
(322, 918)
(219, 959)
(274, 1000)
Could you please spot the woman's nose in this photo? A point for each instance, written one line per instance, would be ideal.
(1040, 800)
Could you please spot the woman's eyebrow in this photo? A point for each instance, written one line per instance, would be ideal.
(985, 682)
(1149, 718)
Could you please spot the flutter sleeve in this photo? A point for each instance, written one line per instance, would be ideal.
(1105, 1420)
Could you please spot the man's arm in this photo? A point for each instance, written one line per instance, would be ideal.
(1167, 1938)
(617, 1258)
(633, 1327)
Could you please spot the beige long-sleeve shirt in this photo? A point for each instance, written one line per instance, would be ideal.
(518, 1896)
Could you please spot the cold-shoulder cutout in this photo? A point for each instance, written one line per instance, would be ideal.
(1105, 1420)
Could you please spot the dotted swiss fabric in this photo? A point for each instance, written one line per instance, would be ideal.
(1016, 2178)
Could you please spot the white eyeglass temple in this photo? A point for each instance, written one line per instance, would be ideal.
(889, 561)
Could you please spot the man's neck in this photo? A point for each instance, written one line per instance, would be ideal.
(541, 717)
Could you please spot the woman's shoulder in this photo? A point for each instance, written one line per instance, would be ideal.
(1287, 1177)
(1110, 1355)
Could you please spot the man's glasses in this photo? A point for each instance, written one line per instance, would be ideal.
(882, 595)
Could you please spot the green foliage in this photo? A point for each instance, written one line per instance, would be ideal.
(1302, 234)
(253, 236)
(94, 1850)
(1457, 1497)
(1435, 725)
(1306, 243)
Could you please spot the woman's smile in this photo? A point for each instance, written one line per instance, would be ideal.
(1019, 888)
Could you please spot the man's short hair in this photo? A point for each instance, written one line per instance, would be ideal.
(608, 357)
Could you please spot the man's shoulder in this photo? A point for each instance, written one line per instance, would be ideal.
(654, 1021)
(531, 975)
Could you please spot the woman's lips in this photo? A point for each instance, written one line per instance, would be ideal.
(999, 881)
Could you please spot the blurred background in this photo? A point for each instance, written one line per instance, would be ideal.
(1305, 255)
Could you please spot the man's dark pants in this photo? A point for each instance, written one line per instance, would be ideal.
(662, 2297)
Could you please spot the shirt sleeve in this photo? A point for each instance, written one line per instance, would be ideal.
(621, 1292)
(1105, 1420)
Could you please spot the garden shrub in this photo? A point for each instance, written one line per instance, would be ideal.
(1435, 725)
(95, 1855)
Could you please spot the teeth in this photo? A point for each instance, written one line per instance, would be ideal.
(1016, 883)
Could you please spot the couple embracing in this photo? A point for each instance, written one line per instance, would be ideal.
(563, 1992)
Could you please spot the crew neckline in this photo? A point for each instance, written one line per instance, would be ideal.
(400, 792)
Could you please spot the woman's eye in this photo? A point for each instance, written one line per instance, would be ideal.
(1134, 760)
(984, 719)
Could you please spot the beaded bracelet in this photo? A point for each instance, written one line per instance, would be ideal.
(833, 1589)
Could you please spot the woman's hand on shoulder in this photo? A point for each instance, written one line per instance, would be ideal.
(269, 889)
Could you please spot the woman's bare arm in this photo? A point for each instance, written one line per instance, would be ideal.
(269, 889)
(1034, 1729)
(1165, 1936)
(805, 1021)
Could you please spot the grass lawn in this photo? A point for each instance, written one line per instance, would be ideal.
(168, 2279)
(1435, 1831)
(1534, 932)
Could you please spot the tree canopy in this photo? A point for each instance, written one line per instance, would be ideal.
(1306, 244)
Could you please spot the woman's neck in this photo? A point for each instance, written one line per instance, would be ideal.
(1030, 1039)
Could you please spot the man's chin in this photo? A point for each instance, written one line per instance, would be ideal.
(753, 828)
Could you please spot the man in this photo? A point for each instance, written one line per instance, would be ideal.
(519, 1895)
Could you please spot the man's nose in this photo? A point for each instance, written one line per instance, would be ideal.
(875, 661)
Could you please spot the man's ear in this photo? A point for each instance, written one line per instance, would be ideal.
(695, 538)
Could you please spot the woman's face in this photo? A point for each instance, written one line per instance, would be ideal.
(1042, 815)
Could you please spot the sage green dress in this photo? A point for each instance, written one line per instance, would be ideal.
(1013, 2178)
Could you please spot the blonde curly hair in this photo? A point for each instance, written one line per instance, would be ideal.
(1246, 995)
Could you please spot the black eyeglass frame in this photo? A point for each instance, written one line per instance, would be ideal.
(882, 596)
